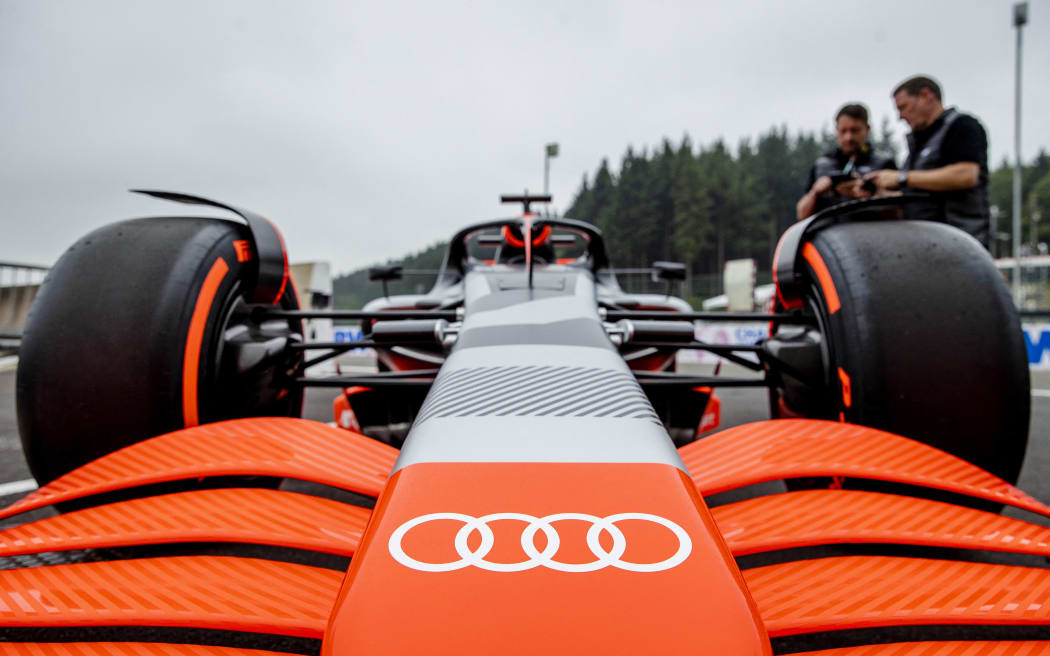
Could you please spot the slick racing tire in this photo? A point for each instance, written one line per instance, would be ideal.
(919, 337)
(140, 329)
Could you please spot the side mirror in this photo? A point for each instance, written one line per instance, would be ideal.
(385, 274)
(668, 271)
(392, 272)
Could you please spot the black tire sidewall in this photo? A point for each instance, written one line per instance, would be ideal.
(103, 354)
(928, 338)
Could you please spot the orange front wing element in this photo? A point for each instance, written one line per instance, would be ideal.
(124, 649)
(254, 516)
(793, 448)
(816, 517)
(638, 560)
(948, 648)
(267, 446)
(850, 592)
(208, 592)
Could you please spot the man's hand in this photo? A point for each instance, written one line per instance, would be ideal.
(822, 185)
(961, 175)
(852, 189)
(885, 180)
(808, 202)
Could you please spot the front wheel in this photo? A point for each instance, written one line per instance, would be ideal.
(141, 328)
(916, 335)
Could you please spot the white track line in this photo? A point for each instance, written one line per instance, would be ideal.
(1041, 392)
(17, 487)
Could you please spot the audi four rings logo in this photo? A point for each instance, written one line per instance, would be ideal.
(537, 558)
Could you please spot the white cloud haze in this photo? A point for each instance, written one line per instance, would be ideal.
(367, 130)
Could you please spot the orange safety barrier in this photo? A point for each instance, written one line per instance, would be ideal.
(123, 649)
(255, 516)
(851, 592)
(792, 448)
(800, 519)
(263, 446)
(949, 648)
(207, 592)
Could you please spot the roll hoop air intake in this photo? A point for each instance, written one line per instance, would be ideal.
(270, 273)
(787, 272)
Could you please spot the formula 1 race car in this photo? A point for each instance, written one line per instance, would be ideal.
(527, 471)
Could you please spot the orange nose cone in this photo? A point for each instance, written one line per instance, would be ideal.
(552, 558)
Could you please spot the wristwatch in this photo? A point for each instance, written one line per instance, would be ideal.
(902, 179)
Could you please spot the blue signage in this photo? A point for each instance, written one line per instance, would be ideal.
(1037, 343)
(347, 334)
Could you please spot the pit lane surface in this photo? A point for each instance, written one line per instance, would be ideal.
(739, 406)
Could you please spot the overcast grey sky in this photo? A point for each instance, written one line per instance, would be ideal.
(366, 130)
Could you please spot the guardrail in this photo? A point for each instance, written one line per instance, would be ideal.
(1034, 289)
(19, 284)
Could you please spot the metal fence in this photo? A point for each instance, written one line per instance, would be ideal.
(1033, 292)
(643, 281)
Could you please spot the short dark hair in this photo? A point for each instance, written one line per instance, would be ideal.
(853, 110)
(913, 85)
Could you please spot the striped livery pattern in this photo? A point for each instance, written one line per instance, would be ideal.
(793, 448)
(537, 391)
(868, 591)
(947, 648)
(210, 592)
(828, 594)
(254, 516)
(842, 593)
(124, 649)
(816, 517)
(271, 446)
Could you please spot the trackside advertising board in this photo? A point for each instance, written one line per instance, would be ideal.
(1036, 340)
(342, 334)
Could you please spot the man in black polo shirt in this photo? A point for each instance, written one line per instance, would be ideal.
(853, 156)
(947, 158)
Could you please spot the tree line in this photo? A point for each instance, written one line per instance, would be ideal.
(1035, 205)
(706, 204)
(352, 290)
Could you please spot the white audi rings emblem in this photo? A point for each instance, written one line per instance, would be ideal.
(537, 558)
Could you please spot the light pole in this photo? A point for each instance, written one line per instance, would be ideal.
(1020, 18)
(1036, 215)
(993, 243)
(550, 151)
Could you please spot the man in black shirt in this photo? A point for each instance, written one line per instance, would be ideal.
(853, 156)
(947, 158)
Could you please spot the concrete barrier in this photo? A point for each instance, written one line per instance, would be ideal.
(19, 284)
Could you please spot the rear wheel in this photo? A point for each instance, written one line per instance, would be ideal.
(917, 335)
(141, 328)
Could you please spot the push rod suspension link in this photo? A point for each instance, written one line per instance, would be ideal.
(260, 314)
(780, 317)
